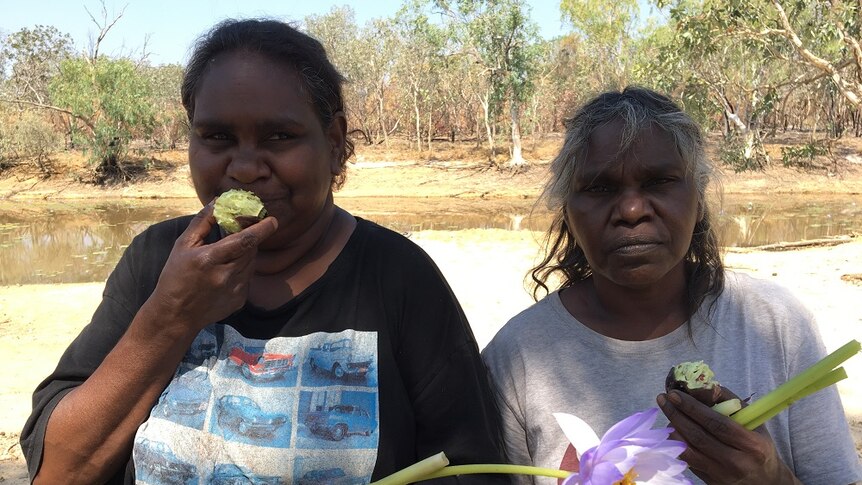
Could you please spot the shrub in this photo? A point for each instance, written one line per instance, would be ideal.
(28, 137)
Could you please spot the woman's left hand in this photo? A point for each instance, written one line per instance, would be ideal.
(720, 450)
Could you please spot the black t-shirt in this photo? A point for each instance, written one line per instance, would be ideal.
(372, 367)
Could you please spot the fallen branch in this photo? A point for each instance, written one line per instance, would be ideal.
(789, 246)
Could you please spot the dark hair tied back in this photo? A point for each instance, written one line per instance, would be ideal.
(281, 43)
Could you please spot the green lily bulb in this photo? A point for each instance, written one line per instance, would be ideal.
(237, 209)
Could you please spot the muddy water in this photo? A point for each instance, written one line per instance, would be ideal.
(81, 241)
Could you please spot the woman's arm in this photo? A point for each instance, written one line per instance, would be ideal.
(89, 434)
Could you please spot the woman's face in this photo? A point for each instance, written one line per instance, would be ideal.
(633, 213)
(254, 128)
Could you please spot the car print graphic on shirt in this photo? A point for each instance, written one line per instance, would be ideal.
(340, 421)
(242, 415)
(262, 365)
(329, 476)
(155, 462)
(340, 359)
(230, 474)
(202, 349)
(184, 401)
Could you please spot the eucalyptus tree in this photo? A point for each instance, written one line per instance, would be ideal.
(32, 56)
(606, 31)
(563, 81)
(111, 100)
(338, 32)
(379, 44)
(170, 122)
(462, 88)
(29, 59)
(501, 38)
(419, 66)
(723, 80)
(755, 61)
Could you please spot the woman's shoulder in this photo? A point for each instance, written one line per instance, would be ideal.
(744, 287)
(386, 242)
(527, 327)
(761, 302)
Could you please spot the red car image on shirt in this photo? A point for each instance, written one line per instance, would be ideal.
(262, 366)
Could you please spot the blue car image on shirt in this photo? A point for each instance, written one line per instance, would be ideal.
(244, 416)
(230, 474)
(329, 476)
(155, 461)
(340, 421)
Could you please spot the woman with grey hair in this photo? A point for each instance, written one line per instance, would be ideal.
(640, 287)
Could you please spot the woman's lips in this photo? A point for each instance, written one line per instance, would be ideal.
(633, 249)
(634, 245)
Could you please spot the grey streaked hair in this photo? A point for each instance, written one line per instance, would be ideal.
(638, 108)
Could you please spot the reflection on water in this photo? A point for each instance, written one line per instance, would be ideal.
(42, 242)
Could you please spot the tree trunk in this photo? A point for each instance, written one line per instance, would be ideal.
(430, 130)
(486, 115)
(517, 160)
(418, 123)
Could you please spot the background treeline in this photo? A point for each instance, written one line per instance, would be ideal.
(451, 71)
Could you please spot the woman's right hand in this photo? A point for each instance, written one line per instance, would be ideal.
(719, 450)
(203, 283)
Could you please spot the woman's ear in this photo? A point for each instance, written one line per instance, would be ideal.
(336, 133)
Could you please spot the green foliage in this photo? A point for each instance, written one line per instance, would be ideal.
(742, 155)
(805, 156)
(170, 123)
(111, 98)
(606, 30)
(27, 137)
(31, 57)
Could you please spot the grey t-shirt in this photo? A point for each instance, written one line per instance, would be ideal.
(758, 336)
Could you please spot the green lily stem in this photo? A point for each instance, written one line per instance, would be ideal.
(416, 471)
(796, 384)
(488, 468)
(822, 383)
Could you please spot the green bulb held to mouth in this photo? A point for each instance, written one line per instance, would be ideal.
(238, 209)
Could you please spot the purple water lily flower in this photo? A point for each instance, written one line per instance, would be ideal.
(631, 453)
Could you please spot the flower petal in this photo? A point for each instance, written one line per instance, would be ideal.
(604, 473)
(573, 479)
(632, 425)
(652, 464)
(578, 432)
(648, 437)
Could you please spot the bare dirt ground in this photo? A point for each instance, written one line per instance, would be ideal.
(484, 267)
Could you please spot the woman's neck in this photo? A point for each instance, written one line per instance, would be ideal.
(297, 253)
(630, 313)
(282, 274)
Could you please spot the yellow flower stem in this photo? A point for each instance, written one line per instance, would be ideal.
(490, 468)
(796, 384)
(416, 471)
(822, 383)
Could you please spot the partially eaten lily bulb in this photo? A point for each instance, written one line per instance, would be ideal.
(237, 209)
(631, 452)
(698, 380)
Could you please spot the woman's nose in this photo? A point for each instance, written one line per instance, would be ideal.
(247, 165)
(632, 207)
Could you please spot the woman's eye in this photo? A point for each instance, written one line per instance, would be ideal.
(280, 136)
(596, 188)
(659, 181)
(216, 136)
